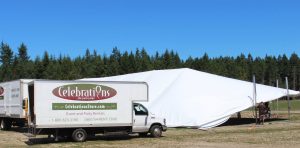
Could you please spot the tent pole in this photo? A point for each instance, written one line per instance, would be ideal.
(288, 96)
(277, 99)
(254, 98)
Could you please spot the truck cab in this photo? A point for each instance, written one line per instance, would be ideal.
(146, 123)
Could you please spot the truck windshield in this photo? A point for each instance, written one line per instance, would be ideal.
(140, 110)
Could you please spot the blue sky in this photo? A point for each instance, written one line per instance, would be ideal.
(190, 27)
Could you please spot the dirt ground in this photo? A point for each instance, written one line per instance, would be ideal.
(242, 133)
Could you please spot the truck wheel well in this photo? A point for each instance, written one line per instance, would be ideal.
(156, 124)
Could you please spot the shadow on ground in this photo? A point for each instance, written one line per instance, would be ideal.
(19, 129)
(45, 140)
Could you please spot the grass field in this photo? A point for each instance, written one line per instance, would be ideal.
(242, 133)
(283, 105)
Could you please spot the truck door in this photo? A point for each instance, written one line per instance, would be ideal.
(2, 101)
(31, 116)
(25, 96)
(7, 99)
(140, 118)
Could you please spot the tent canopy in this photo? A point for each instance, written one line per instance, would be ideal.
(190, 98)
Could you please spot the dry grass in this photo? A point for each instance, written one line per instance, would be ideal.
(275, 133)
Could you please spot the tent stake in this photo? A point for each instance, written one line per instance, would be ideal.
(254, 98)
(288, 96)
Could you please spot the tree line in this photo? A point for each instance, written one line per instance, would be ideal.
(267, 69)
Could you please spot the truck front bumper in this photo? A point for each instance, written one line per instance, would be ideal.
(164, 128)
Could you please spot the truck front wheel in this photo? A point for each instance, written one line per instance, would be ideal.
(156, 131)
(79, 135)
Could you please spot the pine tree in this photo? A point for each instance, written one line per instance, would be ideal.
(294, 72)
(166, 61)
(250, 67)
(145, 62)
(137, 59)
(77, 71)
(259, 70)
(203, 63)
(177, 61)
(98, 65)
(157, 62)
(88, 66)
(124, 63)
(53, 70)
(131, 63)
(45, 64)
(284, 69)
(6, 58)
(242, 67)
(24, 68)
(271, 70)
(230, 67)
(14, 74)
(38, 68)
(106, 66)
(114, 62)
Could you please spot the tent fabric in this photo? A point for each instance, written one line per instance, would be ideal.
(190, 98)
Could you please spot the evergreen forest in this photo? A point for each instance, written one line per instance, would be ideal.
(267, 69)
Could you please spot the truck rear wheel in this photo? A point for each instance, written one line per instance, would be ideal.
(5, 124)
(79, 135)
(156, 131)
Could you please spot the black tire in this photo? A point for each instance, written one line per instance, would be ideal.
(143, 134)
(1, 126)
(5, 124)
(156, 131)
(79, 135)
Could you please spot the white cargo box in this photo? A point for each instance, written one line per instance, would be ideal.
(60, 104)
(12, 97)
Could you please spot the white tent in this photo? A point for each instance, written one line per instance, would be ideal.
(191, 98)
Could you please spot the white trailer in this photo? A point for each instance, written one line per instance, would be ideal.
(13, 96)
(80, 108)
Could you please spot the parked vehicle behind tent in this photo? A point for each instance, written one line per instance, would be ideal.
(13, 99)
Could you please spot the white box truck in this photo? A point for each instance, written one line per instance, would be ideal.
(80, 108)
(13, 96)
